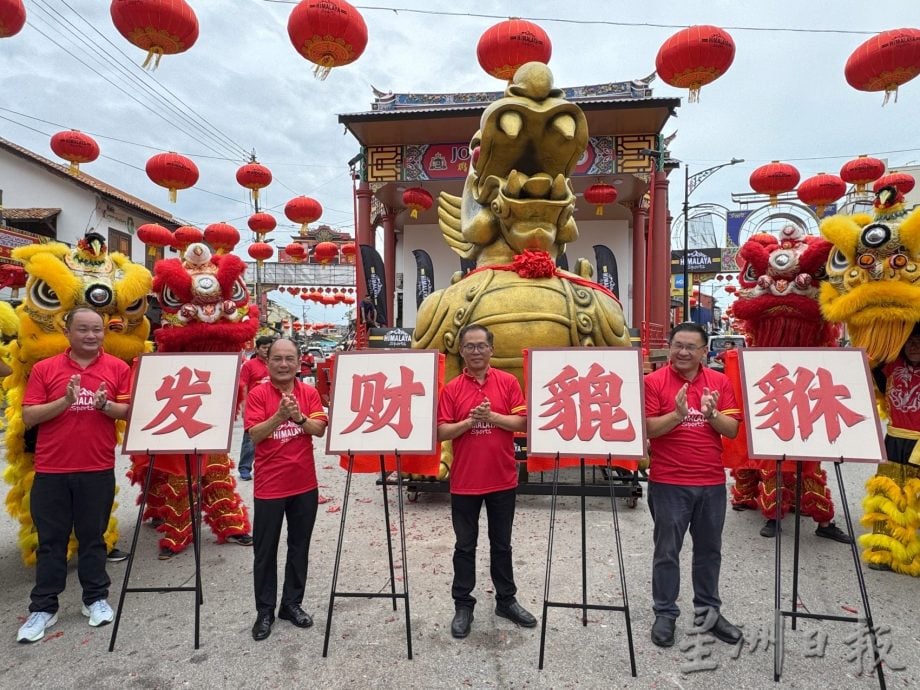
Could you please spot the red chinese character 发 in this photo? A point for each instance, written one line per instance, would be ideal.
(799, 402)
(587, 405)
(183, 398)
(376, 404)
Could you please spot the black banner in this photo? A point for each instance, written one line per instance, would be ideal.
(375, 280)
(562, 262)
(424, 276)
(389, 338)
(607, 274)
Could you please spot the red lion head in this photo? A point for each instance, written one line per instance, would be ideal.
(778, 301)
(205, 303)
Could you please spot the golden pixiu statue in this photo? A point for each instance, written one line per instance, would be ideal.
(514, 219)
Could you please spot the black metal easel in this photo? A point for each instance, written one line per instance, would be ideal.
(195, 515)
(584, 605)
(779, 613)
(402, 543)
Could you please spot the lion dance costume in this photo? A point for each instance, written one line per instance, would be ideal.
(206, 308)
(874, 288)
(61, 279)
(777, 306)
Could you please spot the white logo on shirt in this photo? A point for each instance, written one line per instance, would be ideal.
(287, 431)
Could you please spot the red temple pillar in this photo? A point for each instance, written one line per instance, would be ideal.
(363, 235)
(660, 285)
(637, 271)
(389, 262)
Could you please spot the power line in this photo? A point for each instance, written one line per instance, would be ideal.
(590, 22)
(99, 54)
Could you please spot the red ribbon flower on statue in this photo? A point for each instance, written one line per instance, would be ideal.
(534, 264)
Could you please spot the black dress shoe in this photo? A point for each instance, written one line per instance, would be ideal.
(663, 631)
(516, 613)
(769, 529)
(262, 628)
(725, 631)
(296, 615)
(460, 625)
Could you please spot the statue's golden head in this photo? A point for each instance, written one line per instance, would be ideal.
(518, 195)
(61, 278)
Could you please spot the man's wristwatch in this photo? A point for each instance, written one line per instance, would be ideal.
(105, 406)
(300, 423)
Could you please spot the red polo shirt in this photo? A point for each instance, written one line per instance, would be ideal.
(254, 372)
(691, 453)
(284, 463)
(82, 438)
(484, 455)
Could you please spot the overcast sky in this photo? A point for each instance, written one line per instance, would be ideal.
(785, 96)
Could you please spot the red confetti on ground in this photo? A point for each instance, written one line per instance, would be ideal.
(327, 467)
(324, 499)
(849, 608)
(364, 500)
(53, 636)
(334, 509)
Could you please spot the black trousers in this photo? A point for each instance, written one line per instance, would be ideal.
(464, 511)
(78, 502)
(300, 511)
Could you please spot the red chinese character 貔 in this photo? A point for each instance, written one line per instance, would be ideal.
(377, 405)
(183, 400)
(585, 406)
(798, 402)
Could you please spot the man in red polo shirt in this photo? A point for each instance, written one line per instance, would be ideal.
(74, 399)
(281, 417)
(254, 372)
(688, 409)
(479, 411)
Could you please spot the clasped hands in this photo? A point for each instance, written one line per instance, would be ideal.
(289, 409)
(100, 397)
(709, 402)
(482, 412)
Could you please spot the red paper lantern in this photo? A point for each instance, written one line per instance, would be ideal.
(260, 251)
(186, 235)
(416, 199)
(349, 250)
(861, 171)
(503, 48)
(261, 223)
(172, 171)
(899, 180)
(223, 237)
(254, 176)
(328, 300)
(774, 179)
(292, 290)
(161, 27)
(731, 289)
(285, 323)
(75, 147)
(12, 17)
(694, 57)
(304, 296)
(348, 300)
(13, 276)
(821, 190)
(296, 251)
(303, 210)
(600, 194)
(305, 290)
(298, 326)
(330, 33)
(325, 252)
(316, 296)
(154, 235)
(884, 62)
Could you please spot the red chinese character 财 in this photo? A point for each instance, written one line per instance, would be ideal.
(376, 404)
(797, 403)
(584, 406)
(183, 398)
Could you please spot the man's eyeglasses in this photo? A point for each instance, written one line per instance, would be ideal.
(677, 347)
(476, 347)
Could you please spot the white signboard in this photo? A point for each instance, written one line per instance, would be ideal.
(586, 402)
(383, 402)
(183, 402)
(810, 404)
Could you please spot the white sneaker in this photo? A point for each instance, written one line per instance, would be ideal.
(34, 628)
(99, 613)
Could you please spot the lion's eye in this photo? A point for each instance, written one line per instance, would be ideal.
(876, 235)
(239, 293)
(168, 299)
(838, 260)
(44, 296)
